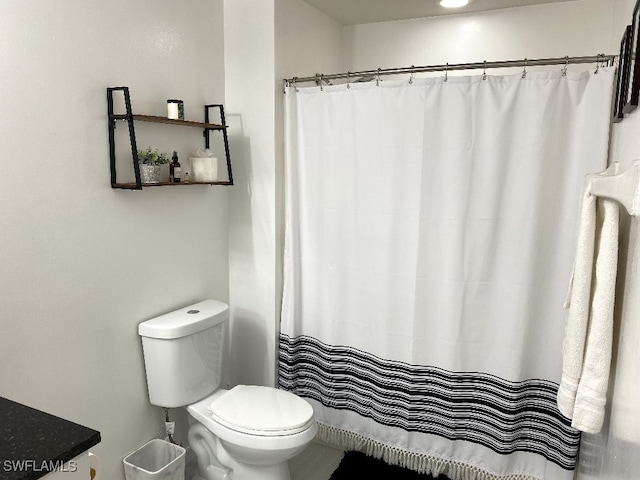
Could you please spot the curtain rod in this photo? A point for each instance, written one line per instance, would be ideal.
(318, 78)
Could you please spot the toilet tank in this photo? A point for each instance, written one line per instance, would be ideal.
(183, 353)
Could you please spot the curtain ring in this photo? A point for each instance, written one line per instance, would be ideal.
(348, 79)
(566, 64)
(295, 83)
(524, 70)
(411, 76)
(378, 78)
(484, 72)
(600, 59)
(322, 82)
(446, 72)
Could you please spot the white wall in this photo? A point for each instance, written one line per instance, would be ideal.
(83, 264)
(572, 28)
(263, 40)
(307, 41)
(249, 70)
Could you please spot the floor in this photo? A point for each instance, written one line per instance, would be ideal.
(316, 462)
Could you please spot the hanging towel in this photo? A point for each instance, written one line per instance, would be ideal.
(589, 328)
(578, 304)
(588, 414)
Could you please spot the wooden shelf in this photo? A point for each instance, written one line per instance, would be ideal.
(133, 185)
(170, 121)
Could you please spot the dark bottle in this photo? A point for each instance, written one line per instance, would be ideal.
(174, 169)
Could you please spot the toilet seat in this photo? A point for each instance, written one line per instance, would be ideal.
(251, 439)
(263, 411)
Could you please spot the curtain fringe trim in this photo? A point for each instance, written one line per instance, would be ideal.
(419, 462)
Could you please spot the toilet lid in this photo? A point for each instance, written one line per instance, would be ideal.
(265, 409)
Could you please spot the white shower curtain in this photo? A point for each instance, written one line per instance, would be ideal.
(430, 235)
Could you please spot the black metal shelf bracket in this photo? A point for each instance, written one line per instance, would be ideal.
(225, 137)
(112, 139)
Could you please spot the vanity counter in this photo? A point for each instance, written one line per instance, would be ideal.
(34, 443)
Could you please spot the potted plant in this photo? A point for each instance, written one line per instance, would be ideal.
(150, 162)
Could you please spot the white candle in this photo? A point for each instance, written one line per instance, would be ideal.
(172, 110)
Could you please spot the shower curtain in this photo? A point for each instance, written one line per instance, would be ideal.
(430, 234)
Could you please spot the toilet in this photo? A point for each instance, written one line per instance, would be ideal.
(248, 432)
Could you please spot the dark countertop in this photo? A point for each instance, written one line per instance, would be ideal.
(31, 441)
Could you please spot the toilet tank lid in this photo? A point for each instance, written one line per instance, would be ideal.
(185, 321)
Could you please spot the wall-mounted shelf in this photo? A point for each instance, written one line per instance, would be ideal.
(131, 118)
(171, 121)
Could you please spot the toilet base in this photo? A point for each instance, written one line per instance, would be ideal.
(215, 463)
(203, 443)
(263, 473)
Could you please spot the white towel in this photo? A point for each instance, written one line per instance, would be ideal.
(591, 397)
(589, 329)
(578, 304)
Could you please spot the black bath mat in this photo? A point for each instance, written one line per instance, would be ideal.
(356, 465)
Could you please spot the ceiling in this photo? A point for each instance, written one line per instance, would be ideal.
(354, 12)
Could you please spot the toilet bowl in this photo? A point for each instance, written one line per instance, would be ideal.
(251, 431)
(246, 433)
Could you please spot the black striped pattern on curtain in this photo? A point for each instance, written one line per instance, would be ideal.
(476, 407)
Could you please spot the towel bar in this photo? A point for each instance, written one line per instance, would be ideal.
(621, 187)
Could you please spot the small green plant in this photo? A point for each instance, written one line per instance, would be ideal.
(152, 157)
